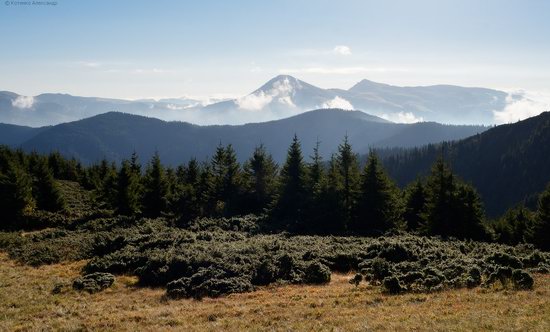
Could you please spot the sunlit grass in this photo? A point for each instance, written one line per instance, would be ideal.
(26, 302)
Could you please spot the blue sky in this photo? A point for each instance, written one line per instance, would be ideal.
(135, 49)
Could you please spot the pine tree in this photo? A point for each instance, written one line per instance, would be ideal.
(415, 205)
(541, 230)
(45, 190)
(155, 185)
(260, 174)
(128, 189)
(378, 207)
(15, 194)
(291, 203)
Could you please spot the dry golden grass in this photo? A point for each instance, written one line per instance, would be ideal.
(26, 303)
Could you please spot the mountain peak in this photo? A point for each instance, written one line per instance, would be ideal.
(286, 82)
(365, 85)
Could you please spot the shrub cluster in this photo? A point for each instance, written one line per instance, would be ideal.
(419, 264)
(94, 282)
(216, 259)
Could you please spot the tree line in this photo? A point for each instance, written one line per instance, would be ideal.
(303, 195)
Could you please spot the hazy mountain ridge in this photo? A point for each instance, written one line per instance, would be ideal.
(116, 135)
(280, 97)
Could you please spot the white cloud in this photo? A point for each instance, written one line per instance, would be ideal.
(338, 102)
(342, 50)
(281, 91)
(175, 107)
(254, 101)
(402, 117)
(521, 105)
(23, 102)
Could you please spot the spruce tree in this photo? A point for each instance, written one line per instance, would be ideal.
(107, 191)
(453, 208)
(227, 180)
(314, 217)
(440, 187)
(415, 205)
(316, 171)
(514, 226)
(291, 204)
(155, 186)
(378, 208)
(330, 212)
(192, 172)
(541, 230)
(45, 190)
(348, 167)
(260, 174)
(15, 194)
(128, 189)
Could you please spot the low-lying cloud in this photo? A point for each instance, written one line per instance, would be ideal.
(402, 117)
(521, 105)
(338, 102)
(23, 102)
(281, 92)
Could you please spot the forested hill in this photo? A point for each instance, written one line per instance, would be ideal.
(507, 164)
(116, 135)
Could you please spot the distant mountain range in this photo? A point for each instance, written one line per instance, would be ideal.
(281, 97)
(116, 135)
(508, 164)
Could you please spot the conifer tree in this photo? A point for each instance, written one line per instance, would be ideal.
(107, 191)
(541, 230)
(227, 180)
(206, 199)
(348, 167)
(331, 213)
(316, 171)
(45, 190)
(314, 217)
(15, 193)
(260, 174)
(291, 203)
(135, 166)
(415, 205)
(128, 189)
(192, 172)
(378, 208)
(452, 207)
(155, 186)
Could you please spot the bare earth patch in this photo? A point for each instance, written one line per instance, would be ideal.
(27, 303)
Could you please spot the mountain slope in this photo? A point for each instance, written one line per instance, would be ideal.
(285, 95)
(280, 97)
(13, 135)
(507, 164)
(116, 135)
